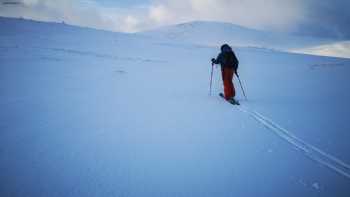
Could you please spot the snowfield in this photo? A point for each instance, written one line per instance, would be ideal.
(93, 113)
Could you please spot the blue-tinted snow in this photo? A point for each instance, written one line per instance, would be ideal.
(93, 113)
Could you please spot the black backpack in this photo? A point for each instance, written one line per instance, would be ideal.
(230, 60)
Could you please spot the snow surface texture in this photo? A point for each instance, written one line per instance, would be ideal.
(95, 113)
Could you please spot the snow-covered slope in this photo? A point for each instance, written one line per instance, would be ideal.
(212, 33)
(94, 113)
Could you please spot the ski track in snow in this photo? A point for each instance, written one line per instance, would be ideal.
(309, 150)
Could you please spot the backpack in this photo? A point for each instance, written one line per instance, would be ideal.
(230, 60)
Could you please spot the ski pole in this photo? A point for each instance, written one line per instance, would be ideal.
(211, 78)
(240, 83)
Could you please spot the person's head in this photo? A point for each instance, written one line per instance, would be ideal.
(225, 48)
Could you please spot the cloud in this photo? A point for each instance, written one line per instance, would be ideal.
(326, 18)
(72, 12)
(279, 14)
(310, 17)
(338, 49)
(160, 14)
(45, 10)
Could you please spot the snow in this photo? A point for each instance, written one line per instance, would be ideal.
(95, 113)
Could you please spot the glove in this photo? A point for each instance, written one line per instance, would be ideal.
(213, 60)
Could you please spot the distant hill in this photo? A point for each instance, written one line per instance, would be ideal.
(214, 33)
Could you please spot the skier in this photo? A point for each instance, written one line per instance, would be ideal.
(229, 65)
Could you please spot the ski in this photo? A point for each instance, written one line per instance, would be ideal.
(231, 101)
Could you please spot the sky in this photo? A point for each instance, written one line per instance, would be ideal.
(326, 18)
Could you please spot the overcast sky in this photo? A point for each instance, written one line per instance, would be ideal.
(312, 17)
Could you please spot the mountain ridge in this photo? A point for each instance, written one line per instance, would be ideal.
(213, 33)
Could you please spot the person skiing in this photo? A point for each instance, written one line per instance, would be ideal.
(229, 65)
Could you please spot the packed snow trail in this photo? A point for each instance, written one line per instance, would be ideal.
(309, 150)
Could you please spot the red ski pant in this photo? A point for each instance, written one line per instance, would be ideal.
(227, 76)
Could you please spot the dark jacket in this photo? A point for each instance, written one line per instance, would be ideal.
(227, 58)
